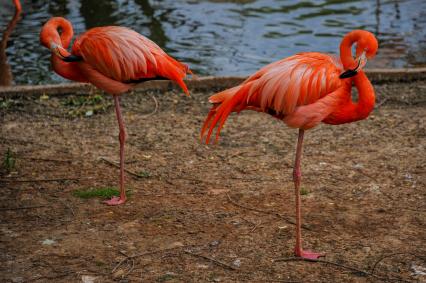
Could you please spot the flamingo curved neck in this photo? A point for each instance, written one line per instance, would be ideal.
(67, 70)
(353, 111)
(57, 30)
(366, 96)
(346, 50)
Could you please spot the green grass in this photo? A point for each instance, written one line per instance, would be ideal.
(99, 263)
(9, 160)
(166, 277)
(5, 103)
(304, 192)
(86, 105)
(106, 192)
(83, 100)
(144, 174)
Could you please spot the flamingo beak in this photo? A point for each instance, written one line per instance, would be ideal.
(55, 48)
(362, 60)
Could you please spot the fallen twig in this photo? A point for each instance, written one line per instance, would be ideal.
(132, 266)
(394, 254)
(119, 264)
(131, 257)
(53, 277)
(265, 212)
(41, 180)
(22, 207)
(220, 263)
(354, 269)
(68, 206)
(378, 105)
(366, 174)
(255, 226)
(46, 159)
(155, 109)
(118, 166)
(154, 252)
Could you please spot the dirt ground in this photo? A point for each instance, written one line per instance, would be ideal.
(202, 213)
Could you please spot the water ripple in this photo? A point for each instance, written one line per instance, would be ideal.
(220, 37)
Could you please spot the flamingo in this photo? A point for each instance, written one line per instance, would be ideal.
(6, 77)
(303, 90)
(114, 59)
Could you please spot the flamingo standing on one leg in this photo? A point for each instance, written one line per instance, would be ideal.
(113, 59)
(302, 91)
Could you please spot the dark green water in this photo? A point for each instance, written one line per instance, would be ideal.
(226, 37)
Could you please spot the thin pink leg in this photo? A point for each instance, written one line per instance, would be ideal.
(122, 138)
(297, 174)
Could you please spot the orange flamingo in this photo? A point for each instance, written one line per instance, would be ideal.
(18, 6)
(302, 91)
(6, 76)
(113, 59)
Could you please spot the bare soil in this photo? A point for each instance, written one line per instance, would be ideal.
(219, 213)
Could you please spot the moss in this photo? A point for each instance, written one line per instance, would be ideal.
(106, 192)
(9, 160)
(304, 192)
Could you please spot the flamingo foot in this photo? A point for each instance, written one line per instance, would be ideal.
(308, 254)
(115, 201)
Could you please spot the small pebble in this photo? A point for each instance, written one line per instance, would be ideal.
(48, 242)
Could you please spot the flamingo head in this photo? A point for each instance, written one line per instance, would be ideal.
(56, 35)
(366, 48)
(366, 44)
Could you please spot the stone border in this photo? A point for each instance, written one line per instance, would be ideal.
(377, 76)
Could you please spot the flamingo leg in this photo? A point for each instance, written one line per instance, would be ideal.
(297, 174)
(122, 137)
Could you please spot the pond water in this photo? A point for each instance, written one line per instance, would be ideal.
(225, 37)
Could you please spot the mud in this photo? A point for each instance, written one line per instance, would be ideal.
(202, 213)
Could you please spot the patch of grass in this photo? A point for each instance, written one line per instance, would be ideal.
(6, 103)
(144, 174)
(107, 192)
(9, 160)
(99, 263)
(86, 105)
(83, 100)
(166, 277)
(304, 192)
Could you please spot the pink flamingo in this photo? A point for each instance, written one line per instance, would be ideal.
(302, 91)
(113, 59)
(18, 6)
(5, 72)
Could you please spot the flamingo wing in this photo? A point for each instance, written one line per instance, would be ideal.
(125, 56)
(293, 89)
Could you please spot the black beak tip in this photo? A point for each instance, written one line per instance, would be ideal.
(347, 74)
(72, 58)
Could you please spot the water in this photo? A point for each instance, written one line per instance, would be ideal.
(225, 37)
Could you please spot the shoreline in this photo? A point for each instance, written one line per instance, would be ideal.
(377, 76)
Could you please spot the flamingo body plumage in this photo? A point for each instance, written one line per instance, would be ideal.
(303, 90)
(112, 58)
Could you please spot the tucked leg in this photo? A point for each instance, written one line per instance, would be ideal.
(297, 174)
(122, 138)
